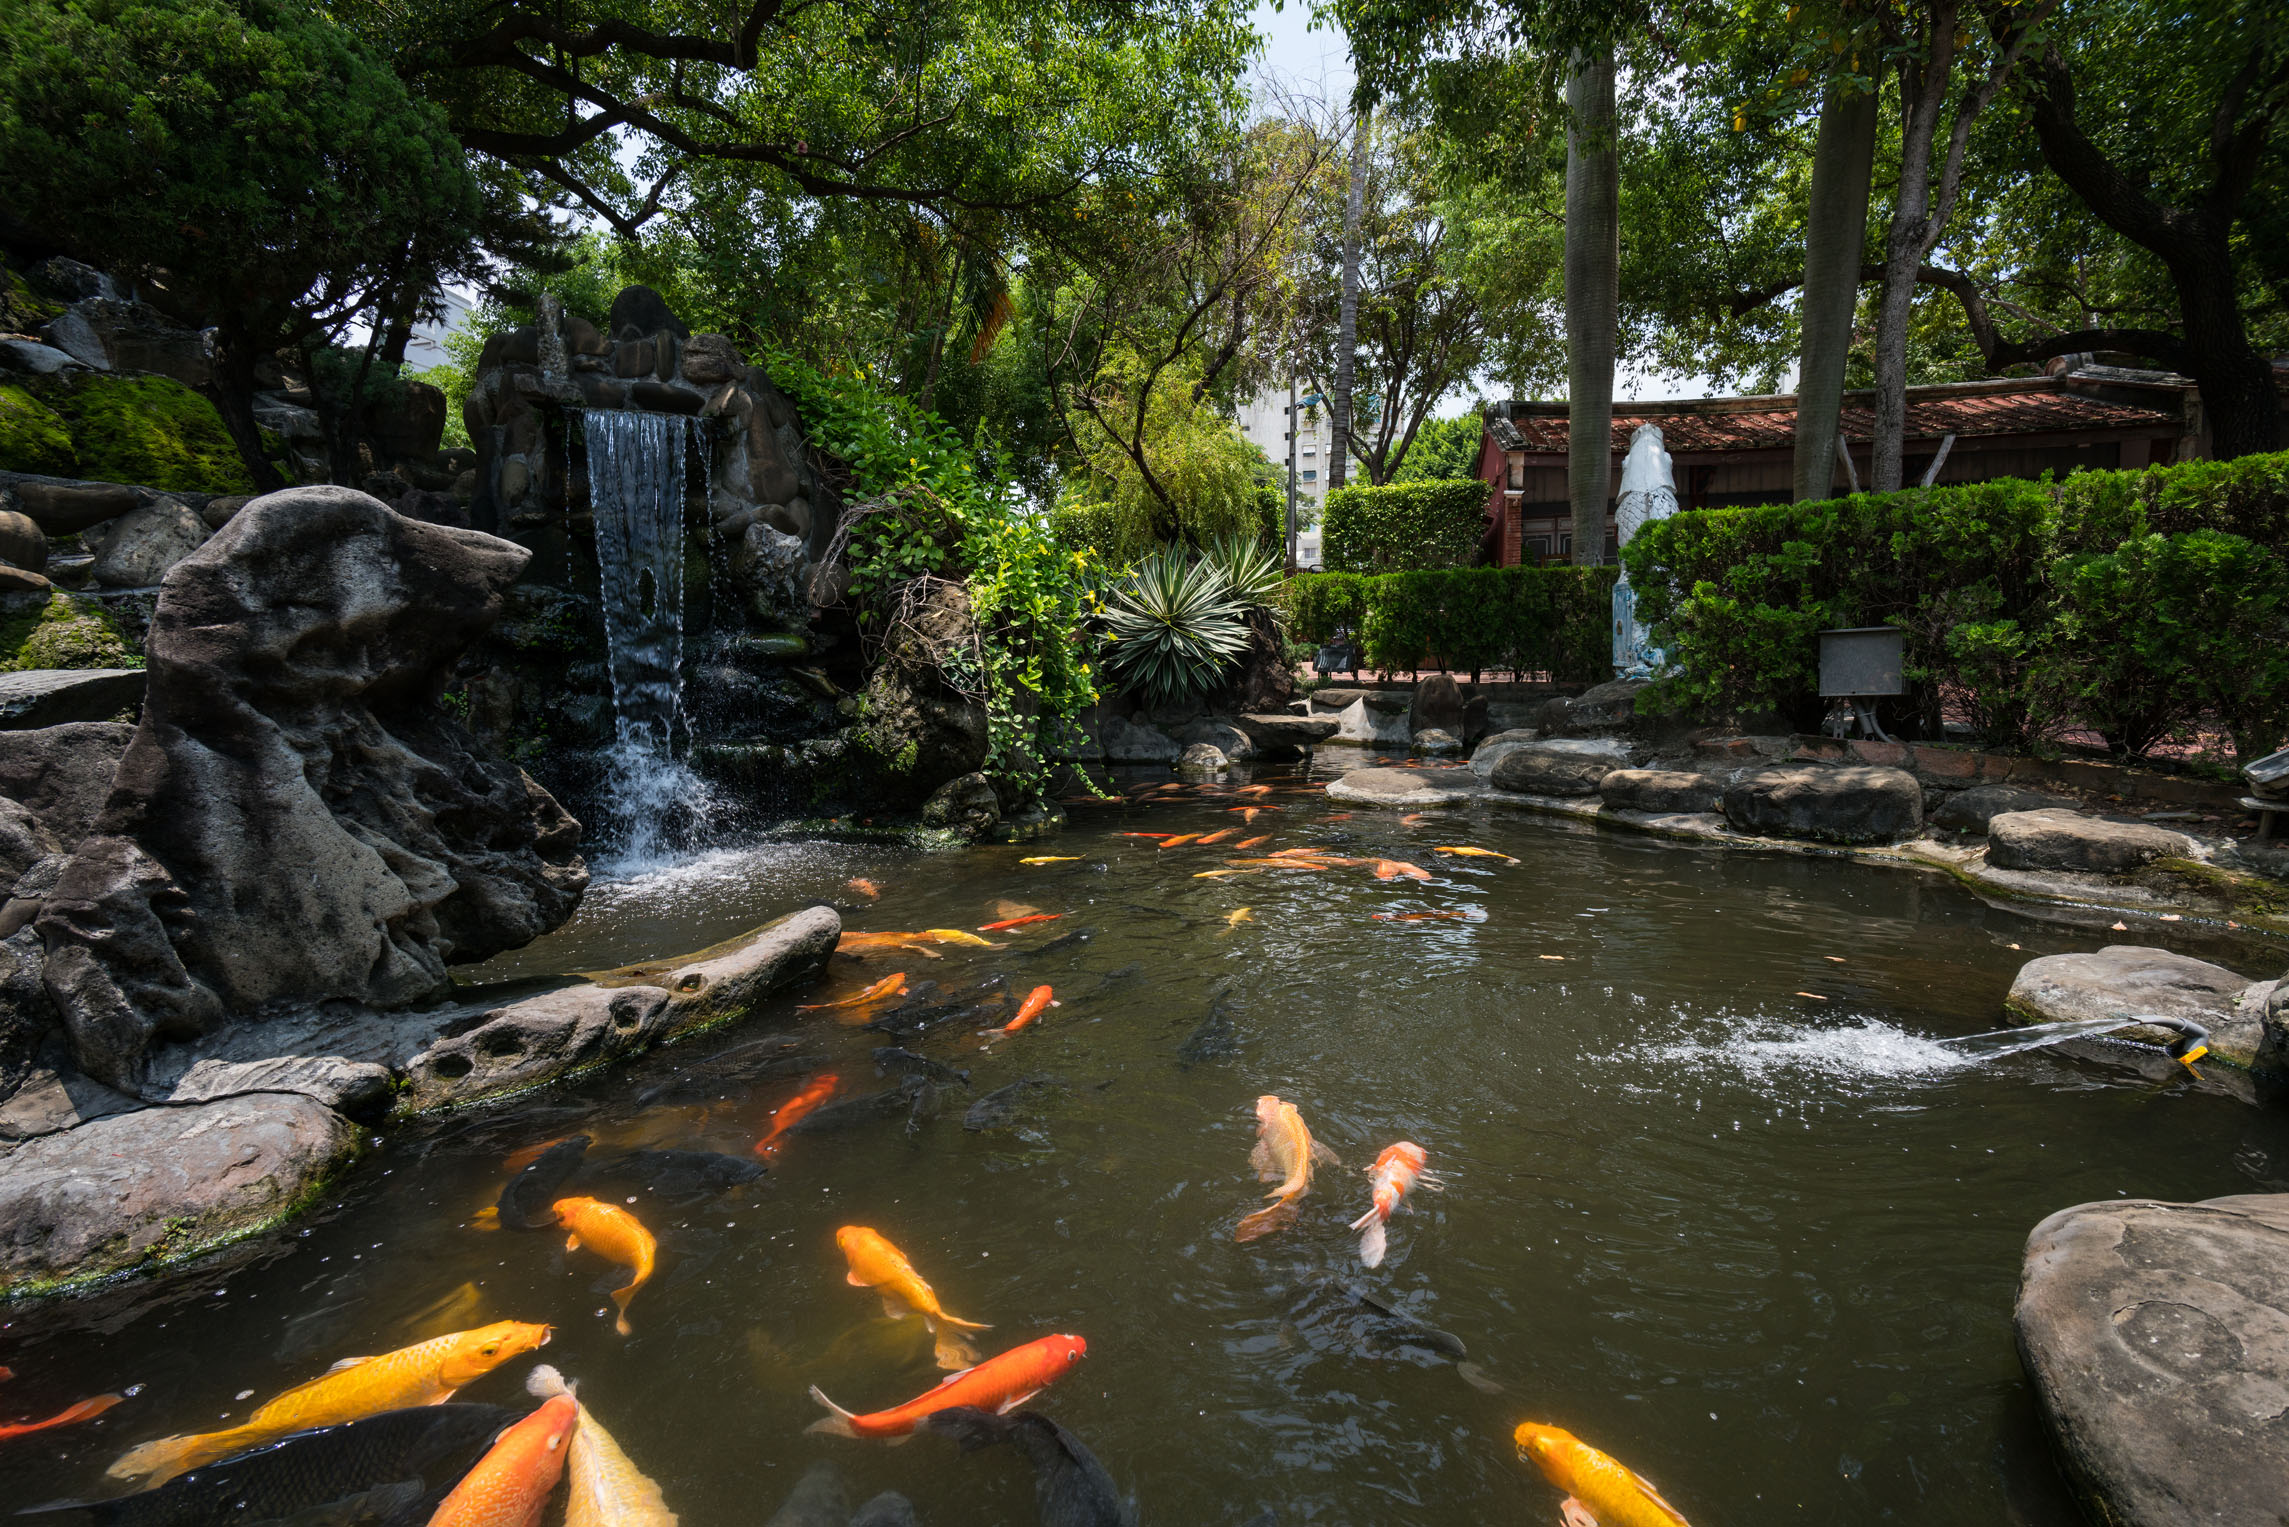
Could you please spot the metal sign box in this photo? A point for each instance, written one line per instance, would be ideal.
(1864, 660)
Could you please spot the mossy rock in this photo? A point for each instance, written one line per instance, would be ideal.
(23, 310)
(34, 437)
(68, 632)
(150, 430)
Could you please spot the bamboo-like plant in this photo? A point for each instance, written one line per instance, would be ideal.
(1172, 626)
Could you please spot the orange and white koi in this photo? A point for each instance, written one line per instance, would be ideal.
(607, 1489)
(865, 888)
(1037, 1001)
(1411, 819)
(1008, 923)
(615, 1235)
(1476, 853)
(1284, 1155)
(875, 1263)
(426, 1373)
(1392, 869)
(1606, 1489)
(513, 1481)
(68, 1416)
(881, 991)
(797, 1108)
(998, 1384)
(1393, 1177)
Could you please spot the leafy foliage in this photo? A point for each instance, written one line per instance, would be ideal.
(938, 516)
(1172, 626)
(2128, 603)
(1404, 526)
(1444, 449)
(1530, 619)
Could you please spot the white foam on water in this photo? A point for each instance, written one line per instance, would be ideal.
(1849, 1053)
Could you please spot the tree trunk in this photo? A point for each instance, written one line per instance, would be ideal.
(1835, 233)
(1923, 91)
(1347, 317)
(1593, 284)
(233, 388)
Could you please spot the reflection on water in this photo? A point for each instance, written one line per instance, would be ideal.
(1719, 1197)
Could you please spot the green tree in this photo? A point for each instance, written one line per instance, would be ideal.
(1444, 448)
(258, 165)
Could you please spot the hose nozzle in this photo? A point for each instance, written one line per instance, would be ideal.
(2192, 1043)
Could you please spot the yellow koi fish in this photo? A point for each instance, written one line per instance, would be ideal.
(1609, 1491)
(1051, 859)
(1243, 915)
(957, 936)
(426, 1373)
(615, 1235)
(607, 1489)
(1285, 1154)
(1476, 853)
(876, 1264)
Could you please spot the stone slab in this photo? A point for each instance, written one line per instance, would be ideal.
(55, 696)
(1406, 789)
(2066, 840)
(2156, 1336)
(2122, 980)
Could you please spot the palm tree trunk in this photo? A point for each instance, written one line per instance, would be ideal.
(1593, 284)
(1835, 231)
(1347, 317)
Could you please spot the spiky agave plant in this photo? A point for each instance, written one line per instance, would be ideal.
(1172, 626)
(1251, 568)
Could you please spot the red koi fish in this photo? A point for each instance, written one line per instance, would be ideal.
(998, 1384)
(1036, 1002)
(70, 1414)
(1144, 835)
(1018, 922)
(1394, 1176)
(792, 1112)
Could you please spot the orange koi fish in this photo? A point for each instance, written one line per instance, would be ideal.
(1340, 816)
(1144, 835)
(997, 1384)
(869, 943)
(1276, 864)
(1599, 1486)
(426, 1373)
(1179, 840)
(615, 1235)
(69, 1415)
(1008, 923)
(875, 1263)
(1253, 790)
(880, 991)
(1393, 1176)
(1476, 853)
(1285, 1154)
(1036, 1002)
(1411, 819)
(865, 888)
(513, 1481)
(1218, 837)
(607, 1489)
(1392, 869)
(792, 1112)
(1259, 838)
(1221, 874)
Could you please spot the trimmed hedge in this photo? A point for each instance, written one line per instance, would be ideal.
(2129, 603)
(1533, 619)
(1404, 526)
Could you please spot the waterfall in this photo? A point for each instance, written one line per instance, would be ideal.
(636, 471)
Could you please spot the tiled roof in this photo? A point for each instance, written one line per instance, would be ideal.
(2038, 406)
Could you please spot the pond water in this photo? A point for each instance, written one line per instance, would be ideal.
(1715, 1198)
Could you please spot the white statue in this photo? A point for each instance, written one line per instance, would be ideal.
(1648, 492)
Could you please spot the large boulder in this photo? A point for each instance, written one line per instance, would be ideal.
(67, 508)
(22, 543)
(1852, 805)
(296, 820)
(111, 334)
(1437, 704)
(1130, 742)
(1492, 749)
(1601, 711)
(1972, 810)
(1262, 679)
(966, 804)
(158, 1183)
(1562, 766)
(1663, 791)
(135, 550)
(2065, 840)
(2156, 1337)
(59, 776)
(1282, 736)
(920, 729)
(2124, 980)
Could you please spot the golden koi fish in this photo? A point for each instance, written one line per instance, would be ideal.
(1612, 1493)
(1476, 853)
(876, 1264)
(615, 1235)
(1285, 1154)
(426, 1373)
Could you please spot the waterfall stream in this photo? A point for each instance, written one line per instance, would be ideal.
(636, 471)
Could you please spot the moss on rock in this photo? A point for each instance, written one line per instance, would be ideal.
(33, 437)
(150, 430)
(68, 632)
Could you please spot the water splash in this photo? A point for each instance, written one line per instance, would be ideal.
(1858, 1054)
(636, 470)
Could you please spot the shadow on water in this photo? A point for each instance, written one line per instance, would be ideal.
(1739, 1175)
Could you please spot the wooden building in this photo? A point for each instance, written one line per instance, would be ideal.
(1730, 451)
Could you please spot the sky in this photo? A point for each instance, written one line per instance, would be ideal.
(1317, 64)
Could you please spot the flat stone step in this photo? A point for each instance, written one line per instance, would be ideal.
(52, 696)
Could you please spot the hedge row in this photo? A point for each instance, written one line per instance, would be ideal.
(1532, 619)
(2134, 604)
(1404, 526)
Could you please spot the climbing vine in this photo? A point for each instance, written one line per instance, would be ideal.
(932, 513)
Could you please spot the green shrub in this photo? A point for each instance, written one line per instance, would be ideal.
(1173, 625)
(152, 431)
(1534, 619)
(66, 632)
(1404, 526)
(33, 437)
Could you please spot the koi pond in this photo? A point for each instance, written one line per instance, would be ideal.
(1716, 1197)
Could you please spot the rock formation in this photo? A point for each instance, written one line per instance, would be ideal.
(295, 819)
